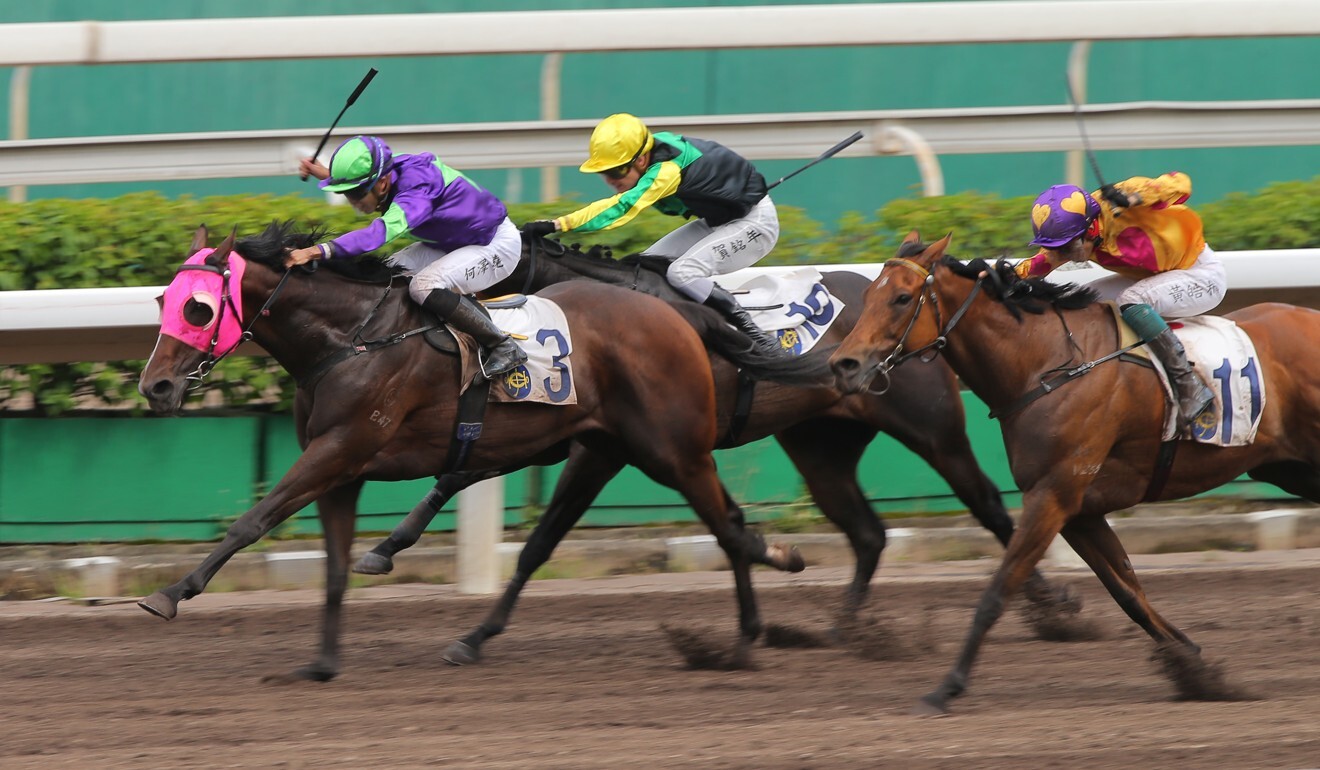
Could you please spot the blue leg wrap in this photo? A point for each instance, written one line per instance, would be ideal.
(1144, 321)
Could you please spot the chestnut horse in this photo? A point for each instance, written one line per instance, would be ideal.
(1094, 446)
(387, 412)
(823, 431)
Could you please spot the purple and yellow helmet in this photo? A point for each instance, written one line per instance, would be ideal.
(358, 162)
(1060, 214)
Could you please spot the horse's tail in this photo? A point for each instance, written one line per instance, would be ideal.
(737, 347)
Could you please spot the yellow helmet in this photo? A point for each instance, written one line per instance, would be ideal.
(617, 140)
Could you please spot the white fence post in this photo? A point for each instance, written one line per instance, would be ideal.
(480, 531)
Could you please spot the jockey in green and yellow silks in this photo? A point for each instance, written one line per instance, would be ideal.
(736, 223)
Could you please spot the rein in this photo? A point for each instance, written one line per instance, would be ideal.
(1062, 374)
(360, 346)
(198, 376)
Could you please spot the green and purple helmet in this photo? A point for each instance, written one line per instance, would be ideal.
(358, 163)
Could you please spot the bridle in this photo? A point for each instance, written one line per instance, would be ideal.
(198, 376)
(898, 355)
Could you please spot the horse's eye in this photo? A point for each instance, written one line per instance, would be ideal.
(903, 299)
(198, 311)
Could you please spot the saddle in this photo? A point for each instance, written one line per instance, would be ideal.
(442, 338)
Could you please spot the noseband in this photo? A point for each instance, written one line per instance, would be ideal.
(898, 356)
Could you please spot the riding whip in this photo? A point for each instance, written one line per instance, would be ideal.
(371, 73)
(1081, 128)
(831, 152)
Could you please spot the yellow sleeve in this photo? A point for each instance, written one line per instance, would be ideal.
(659, 181)
(1169, 189)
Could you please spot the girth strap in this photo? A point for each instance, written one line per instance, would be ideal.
(742, 409)
(1163, 467)
(467, 424)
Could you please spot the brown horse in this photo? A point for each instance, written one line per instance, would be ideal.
(368, 411)
(823, 431)
(1094, 446)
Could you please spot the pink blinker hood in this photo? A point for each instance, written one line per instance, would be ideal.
(207, 288)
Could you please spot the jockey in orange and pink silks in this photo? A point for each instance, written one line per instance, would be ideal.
(1141, 230)
(201, 310)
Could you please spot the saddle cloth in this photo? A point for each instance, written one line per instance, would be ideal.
(1225, 358)
(541, 329)
(795, 306)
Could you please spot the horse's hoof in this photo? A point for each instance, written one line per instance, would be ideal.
(461, 654)
(309, 673)
(373, 563)
(787, 557)
(930, 705)
(160, 605)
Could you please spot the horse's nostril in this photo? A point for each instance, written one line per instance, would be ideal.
(162, 388)
(846, 365)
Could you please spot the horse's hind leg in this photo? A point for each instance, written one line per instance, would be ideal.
(584, 476)
(826, 452)
(380, 560)
(337, 510)
(1093, 540)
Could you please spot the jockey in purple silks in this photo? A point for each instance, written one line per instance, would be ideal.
(1141, 230)
(466, 242)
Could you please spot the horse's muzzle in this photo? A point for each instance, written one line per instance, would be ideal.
(164, 395)
(851, 375)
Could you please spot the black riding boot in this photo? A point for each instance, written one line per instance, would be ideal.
(500, 352)
(1194, 396)
(724, 302)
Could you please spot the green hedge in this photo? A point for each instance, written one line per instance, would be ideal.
(139, 240)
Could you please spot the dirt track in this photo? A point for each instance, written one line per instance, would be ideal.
(588, 681)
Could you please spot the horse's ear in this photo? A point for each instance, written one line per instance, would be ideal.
(199, 240)
(937, 249)
(221, 254)
(912, 237)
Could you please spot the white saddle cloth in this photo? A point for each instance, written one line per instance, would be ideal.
(541, 329)
(795, 306)
(1225, 358)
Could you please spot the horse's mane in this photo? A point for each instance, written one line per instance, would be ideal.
(1032, 295)
(270, 247)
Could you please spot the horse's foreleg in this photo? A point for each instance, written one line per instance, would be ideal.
(319, 469)
(380, 560)
(1044, 515)
(1094, 541)
(942, 442)
(584, 475)
(338, 513)
(826, 453)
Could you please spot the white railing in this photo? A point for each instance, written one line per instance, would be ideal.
(784, 26)
(113, 324)
(1045, 128)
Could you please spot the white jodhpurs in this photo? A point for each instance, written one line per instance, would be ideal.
(701, 251)
(466, 270)
(1173, 294)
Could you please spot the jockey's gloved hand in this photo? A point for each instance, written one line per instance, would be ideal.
(1116, 197)
(541, 227)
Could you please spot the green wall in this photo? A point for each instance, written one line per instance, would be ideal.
(129, 479)
(222, 96)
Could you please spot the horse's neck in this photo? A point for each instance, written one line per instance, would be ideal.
(317, 315)
(1001, 358)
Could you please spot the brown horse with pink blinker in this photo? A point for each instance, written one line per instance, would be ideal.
(1089, 444)
(367, 411)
